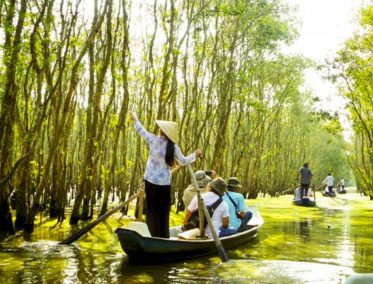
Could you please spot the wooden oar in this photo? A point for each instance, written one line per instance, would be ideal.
(76, 235)
(176, 168)
(317, 188)
(218, 244)
(291, 188)
(314, 194)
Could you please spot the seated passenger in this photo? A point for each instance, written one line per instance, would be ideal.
(220, 217)
(297, 194)
(238, 214)
(190, 191)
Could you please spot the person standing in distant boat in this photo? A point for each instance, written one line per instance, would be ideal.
(329, 181)
(163, 151)
(305, 175)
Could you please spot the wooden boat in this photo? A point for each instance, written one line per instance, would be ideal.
(341, 191)
(333, 194)
(305, 202)
(141, 248)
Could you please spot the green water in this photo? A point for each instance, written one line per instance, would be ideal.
(325, 244)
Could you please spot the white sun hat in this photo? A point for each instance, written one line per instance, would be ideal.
(170, 129)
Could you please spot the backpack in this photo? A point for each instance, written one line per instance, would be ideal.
(193, 221)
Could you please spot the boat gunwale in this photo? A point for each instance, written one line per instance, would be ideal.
(174, 239)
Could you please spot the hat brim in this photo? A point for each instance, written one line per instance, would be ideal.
(170, 129)
(215, 187)
(235, 186)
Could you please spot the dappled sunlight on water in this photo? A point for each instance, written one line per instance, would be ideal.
(324, 244)
(239, 271)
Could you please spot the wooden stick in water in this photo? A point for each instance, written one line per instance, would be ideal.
(222, 253)
(76, 235)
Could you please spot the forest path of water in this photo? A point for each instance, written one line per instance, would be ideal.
(325, 244)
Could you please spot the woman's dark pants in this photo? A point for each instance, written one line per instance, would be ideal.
(158, 206)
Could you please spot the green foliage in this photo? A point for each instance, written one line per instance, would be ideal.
(354, 69)
(215, 67)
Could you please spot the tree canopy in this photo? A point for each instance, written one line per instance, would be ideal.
(70, 75)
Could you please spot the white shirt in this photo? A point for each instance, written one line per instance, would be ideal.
(220, 212)
(189, 193)
(297, 194)
(329, 180)
(157, 171)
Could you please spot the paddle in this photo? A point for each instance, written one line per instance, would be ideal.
(314, 194)
(318, 187)
(222, 253)
(291, 188)
(76, 235)
(176, 168)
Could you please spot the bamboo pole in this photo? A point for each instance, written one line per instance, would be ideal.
(317, 188)
(201, 214)
(314, 194)
(76, 235)
(176, 168)
(141, 205)
(222, 253)
(291, 188)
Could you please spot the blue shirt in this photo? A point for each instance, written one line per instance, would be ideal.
(238, 198)
(157, 171)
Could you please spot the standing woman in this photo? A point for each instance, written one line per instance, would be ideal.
(163, 151)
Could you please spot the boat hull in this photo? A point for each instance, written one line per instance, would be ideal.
(305, 203)
(146, 250)
(151, 250)
(333, 194)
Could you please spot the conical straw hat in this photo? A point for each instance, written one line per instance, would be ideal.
(170, 128)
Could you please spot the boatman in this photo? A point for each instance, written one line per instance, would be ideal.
(329, 181)
(305, 175)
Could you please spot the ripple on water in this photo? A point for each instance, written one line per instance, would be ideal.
(252, 271)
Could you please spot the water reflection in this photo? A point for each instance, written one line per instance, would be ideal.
(305, 229)
(238, 271)
(296, 245)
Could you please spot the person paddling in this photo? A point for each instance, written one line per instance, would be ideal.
(329, 181)
(163, 151)
(305, 175)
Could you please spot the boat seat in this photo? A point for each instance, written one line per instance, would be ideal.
(174, 231)
(139, 227)
(190, 234)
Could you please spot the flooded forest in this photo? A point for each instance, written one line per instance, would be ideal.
(72, 71)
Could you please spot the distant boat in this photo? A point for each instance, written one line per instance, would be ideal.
(305, 202)
(333, 194)
(143, 249)
(341, 191)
